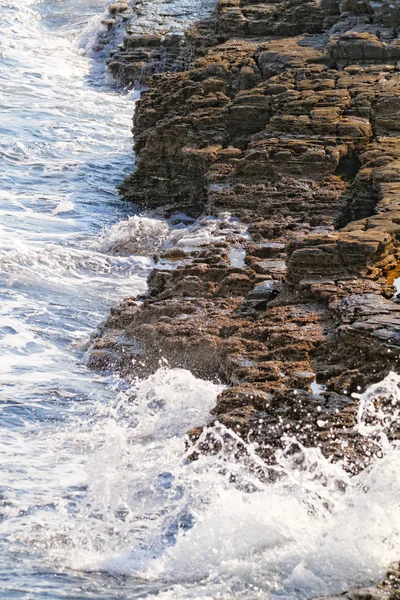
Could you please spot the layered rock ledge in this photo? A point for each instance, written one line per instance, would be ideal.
(290, 120)
(287, 115)
(145, 37)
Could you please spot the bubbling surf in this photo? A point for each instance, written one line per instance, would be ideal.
(114, 493)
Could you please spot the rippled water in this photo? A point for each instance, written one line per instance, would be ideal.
(64, 145)
(97, 497)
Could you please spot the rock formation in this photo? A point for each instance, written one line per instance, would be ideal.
(289, 118)
(387, 589)
(151, 36)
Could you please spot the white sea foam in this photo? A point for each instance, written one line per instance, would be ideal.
(208, 529)
(136, 235)
(63, 207)
(88, 36)
(144, 235)
(64, 146)
(51, 259)
(314, 531)
(6, 196)
(207, 230)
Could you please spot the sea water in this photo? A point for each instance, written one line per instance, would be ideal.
(98, 495)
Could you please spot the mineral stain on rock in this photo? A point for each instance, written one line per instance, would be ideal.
(393, 278)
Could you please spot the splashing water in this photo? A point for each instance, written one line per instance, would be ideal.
(114, 493)
(136, 235)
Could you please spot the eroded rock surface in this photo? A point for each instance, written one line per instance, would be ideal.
(290, 120)
(387, 589)
(145, 37)
(287, 115)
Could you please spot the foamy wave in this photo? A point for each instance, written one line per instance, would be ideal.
(207, 230)
(210, 528)
(63, 207)
(22, 259)
(96, 30)
(144, 235)
(88, 36)
(136, 235)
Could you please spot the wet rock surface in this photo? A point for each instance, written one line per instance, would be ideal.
(290, 122)
(287, 115)
(387, 589)
(152, 36)
(292, 354)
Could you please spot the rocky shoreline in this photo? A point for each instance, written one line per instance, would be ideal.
(296, 136)
(285, 114)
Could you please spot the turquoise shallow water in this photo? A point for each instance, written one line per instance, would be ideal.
(97, 499)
